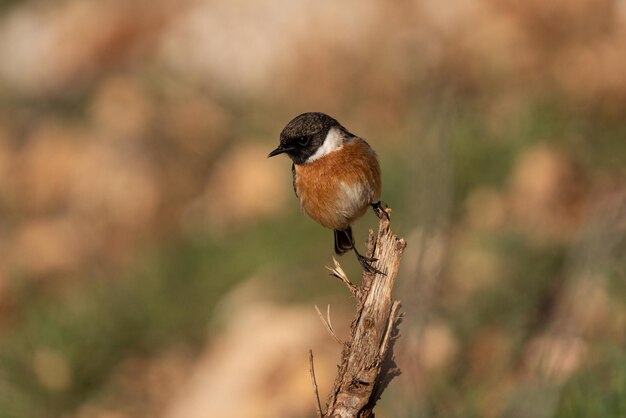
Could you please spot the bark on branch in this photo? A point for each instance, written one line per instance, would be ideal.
(367, 363)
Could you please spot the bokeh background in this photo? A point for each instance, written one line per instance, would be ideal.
(154, 263)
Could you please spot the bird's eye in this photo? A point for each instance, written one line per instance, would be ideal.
(303, 141)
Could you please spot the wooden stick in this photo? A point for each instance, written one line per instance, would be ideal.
(327, 323)
(318, 405)
(367, 359)
(338, 272)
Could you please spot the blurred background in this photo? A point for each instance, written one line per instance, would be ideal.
(154, 262)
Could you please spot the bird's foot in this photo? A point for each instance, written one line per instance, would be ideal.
(380, 209)
(365, 263)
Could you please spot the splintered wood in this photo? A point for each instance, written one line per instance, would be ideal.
(367, 363)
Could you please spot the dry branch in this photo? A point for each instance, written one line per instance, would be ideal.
(327, 323)
(367, 363)
(318, 406)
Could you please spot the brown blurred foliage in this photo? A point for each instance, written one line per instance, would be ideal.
(129, 123)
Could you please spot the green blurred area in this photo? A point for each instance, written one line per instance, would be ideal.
(135, 196)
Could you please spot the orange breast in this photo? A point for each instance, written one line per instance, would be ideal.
(338, 188)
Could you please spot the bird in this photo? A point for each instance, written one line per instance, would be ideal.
(336, 176)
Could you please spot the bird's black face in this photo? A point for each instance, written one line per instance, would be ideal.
(304, 135)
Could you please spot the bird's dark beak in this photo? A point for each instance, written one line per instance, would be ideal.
(279, 150)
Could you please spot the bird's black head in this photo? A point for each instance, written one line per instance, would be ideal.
(304, 134)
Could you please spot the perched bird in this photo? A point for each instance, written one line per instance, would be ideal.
(336, 176)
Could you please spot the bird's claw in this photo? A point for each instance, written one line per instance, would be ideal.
(380, 209)
(365, 263)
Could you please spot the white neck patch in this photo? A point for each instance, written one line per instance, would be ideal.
(332, 142)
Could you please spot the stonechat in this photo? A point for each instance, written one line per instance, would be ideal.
(336, 176)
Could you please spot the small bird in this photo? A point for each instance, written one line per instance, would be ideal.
(336, 176)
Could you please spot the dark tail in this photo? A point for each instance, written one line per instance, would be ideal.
(343, 241)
